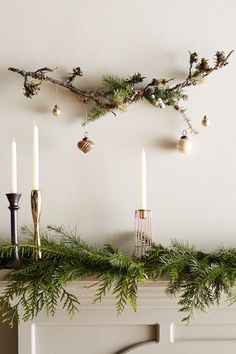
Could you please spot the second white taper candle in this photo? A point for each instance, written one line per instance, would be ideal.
(143, 181)
(35, 157)
(13, 167)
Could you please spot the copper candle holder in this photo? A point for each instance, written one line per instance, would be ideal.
(143, 232)
(36, 202)
(13, 198)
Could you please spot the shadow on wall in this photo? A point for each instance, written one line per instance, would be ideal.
(8, 338)
(166, 143)
(124, 241)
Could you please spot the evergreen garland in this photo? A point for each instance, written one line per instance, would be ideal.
(118, 93)
(197, 277)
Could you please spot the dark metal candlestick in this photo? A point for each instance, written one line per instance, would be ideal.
(13, 199)
(36, 201)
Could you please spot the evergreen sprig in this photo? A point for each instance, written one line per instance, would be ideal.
(198, 278)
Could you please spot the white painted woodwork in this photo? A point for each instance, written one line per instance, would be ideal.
(155, 328)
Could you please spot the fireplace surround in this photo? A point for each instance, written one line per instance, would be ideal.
(155, 328)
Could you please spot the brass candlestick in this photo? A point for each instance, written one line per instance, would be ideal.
(36, 202)
(13, 198)
(142, 232)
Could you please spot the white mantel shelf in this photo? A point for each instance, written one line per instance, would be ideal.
(150, 293)
(157, 322)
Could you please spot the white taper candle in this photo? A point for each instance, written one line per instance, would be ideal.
(35, 157)
(143, 181)
(13, 167)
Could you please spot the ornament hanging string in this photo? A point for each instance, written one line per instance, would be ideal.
(56, 94)
(56, 109)
(86, 118)
(86, 123)
(205, 121)
(86, 144)
(204, 99)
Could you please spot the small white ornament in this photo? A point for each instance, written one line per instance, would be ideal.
(160, 103)
(152, 97)
(184, 145)
(206, 122)
(56, 110)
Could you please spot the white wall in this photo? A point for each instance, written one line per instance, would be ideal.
(192, 197)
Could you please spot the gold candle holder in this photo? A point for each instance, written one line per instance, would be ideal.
(142, 232)
(36, 202)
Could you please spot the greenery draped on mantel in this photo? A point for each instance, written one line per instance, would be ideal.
(197, 277)
(118, 93)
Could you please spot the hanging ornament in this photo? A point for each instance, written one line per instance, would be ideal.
(56, 110)
(184, 144)
(206, 122)
(160, 103)
(85, 145)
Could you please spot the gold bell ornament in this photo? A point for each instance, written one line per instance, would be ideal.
(184, 145)
(85, 144)
(206, 122)
(56, 110)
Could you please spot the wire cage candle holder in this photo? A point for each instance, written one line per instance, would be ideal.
(142, 232)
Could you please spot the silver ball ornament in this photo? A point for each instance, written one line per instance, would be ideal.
(56, 110)
(160, 103)
(184, 145)
(206, 122)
